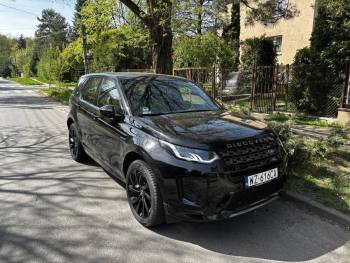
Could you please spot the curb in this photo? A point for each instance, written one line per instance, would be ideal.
(317, 208)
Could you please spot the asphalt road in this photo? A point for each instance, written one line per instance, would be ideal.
(55, 210)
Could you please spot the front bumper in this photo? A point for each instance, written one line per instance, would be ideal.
(205, 192)
(206, 204)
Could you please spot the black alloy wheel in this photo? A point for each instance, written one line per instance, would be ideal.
(139, 193)
(143, 193)
(76, 149)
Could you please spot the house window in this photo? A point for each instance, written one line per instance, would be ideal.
(277, 42)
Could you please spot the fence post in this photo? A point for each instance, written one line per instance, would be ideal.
(252, 99)
(346, 85)
(287, 86)
(213, 81)
(222, 82)
(274, 86)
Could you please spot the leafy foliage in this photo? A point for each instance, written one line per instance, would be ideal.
(203, 51)
(52, 29)
(317, 70)
(6, 45)
(269, 11)
(50, 66)
(258, 51)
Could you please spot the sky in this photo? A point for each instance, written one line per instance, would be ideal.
(20, 16)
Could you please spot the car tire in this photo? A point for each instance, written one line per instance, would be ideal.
(75, 147)
(143, 193)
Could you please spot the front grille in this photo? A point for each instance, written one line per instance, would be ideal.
(250, 153)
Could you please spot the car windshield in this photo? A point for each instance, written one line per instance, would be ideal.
(157, 95)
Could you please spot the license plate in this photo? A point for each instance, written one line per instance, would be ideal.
(260, 178)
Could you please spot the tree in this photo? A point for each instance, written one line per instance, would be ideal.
(50, 66)
(6, 45)
(76, 24)
(231, 32)
(52, 29)
(203, 51)
(116, 39)
(21, 42)
(268, 11)
(196, 16)
(317, 70)
(157, 16)
(21, 58)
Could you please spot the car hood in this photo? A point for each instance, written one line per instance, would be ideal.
(202, 130)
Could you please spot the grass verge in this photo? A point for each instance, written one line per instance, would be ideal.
(283, 117)
(60, 94)
(25, 81)
(327, 181)
(57, 83)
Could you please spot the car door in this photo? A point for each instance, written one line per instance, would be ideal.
(111, 136)
(87, 114)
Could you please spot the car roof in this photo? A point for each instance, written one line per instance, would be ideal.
(131, 75)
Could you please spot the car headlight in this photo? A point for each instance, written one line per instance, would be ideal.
(189, 154)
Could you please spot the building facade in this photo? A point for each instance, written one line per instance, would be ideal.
(289, 35)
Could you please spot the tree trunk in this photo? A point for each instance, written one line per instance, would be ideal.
(162, 38)
(162, 50)
(200, 16)
(158, 22)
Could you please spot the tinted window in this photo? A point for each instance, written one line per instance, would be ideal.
(163, 95)
(109, 95)
(89, 91)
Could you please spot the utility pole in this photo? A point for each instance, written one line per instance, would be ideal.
(85, 50)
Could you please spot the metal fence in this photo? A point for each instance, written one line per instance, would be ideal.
(345, 97)
(263, 89)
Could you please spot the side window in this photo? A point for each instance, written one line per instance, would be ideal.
(89, 91)
(109, 95)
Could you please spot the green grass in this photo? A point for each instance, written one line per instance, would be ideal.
(25, 81)
(283, 117)
(60, 94)
(327, 182)
(57, 83)
(279, 117)
(317, 122)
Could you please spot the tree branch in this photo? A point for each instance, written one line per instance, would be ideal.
(135, 9)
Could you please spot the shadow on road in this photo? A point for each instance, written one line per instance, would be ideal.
(279, 231)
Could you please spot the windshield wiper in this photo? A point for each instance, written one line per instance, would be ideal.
(189, 111)
(173, 112)
(154, 114)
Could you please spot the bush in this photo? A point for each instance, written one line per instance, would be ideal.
(302, 150)
(258, 52)
(311, 83)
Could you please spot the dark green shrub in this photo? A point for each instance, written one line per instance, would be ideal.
(311, 82)
(258, 51)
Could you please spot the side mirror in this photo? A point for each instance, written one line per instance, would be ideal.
(107, 111)
(110, 111)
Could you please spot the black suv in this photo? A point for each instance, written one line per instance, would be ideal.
(180, 154)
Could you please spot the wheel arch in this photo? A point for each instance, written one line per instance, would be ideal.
(129, 158)
(69, 121)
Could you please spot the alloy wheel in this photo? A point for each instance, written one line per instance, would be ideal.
(139, 193)
(73, 142)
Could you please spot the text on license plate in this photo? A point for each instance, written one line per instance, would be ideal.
(260, 178)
